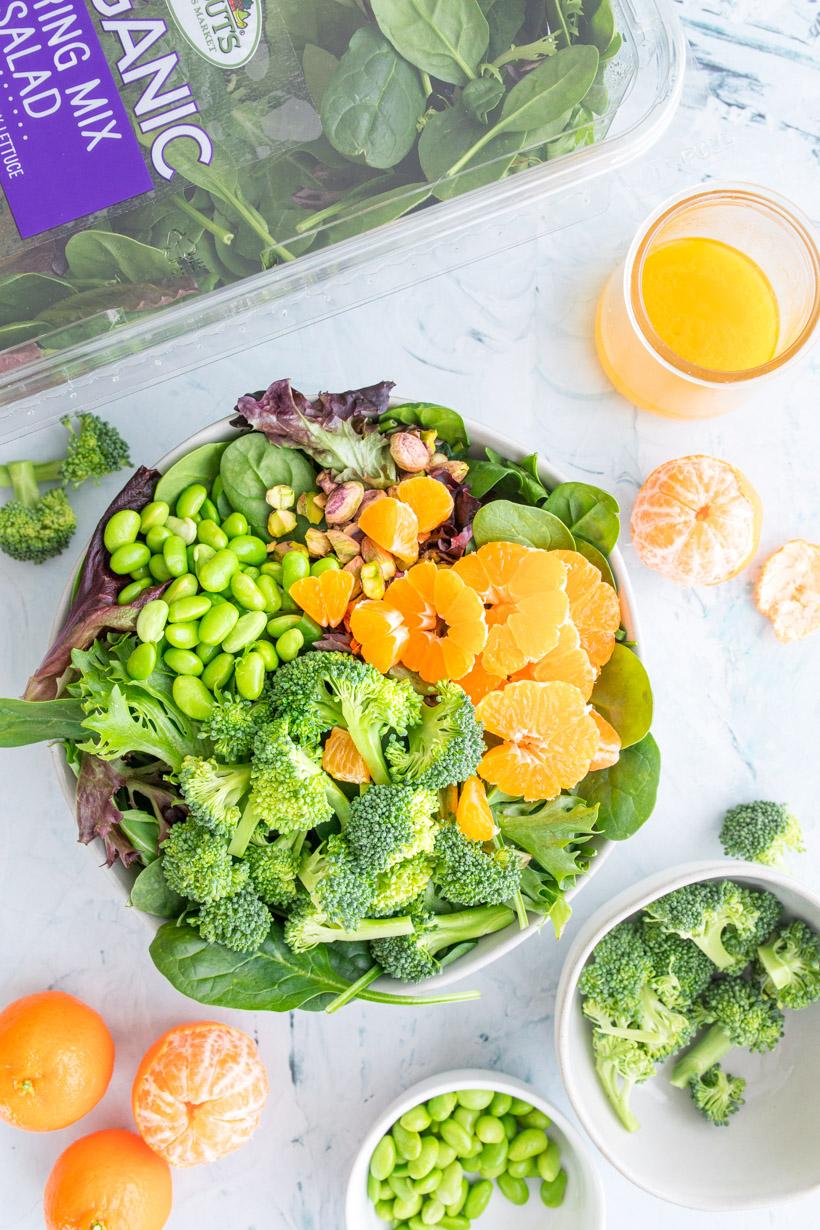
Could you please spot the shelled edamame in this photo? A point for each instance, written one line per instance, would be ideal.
(440, 1162)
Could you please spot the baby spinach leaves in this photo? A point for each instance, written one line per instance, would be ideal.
(623, 695)
(510, 480)
(151, 894)
(504, 521)
(201, 465)
(588, 511)
(445, 38)
(250, 465)
(626, 792)
(448, 424)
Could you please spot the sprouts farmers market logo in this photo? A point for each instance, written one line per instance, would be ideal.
(224, 32)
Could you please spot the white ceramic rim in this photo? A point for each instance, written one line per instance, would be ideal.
(470, 964)
(593, 930)
(473, 1078)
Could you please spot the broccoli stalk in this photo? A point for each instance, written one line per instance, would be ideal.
(621, 1065)
(413, 956)
(308, 927)
(741, 1016)
(790, 966)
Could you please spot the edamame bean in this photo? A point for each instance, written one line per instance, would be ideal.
(402, 1187)
(156, 537)
(218, 623)
(374, 1188)
(295, 566)
(191, 500)
(151, 620)
(429, 1183)
(205, 653)
(249, 627)
(139, 573)
(457, 1136)
(500, 1104)
(467, 1118)
(185, 609)
(200, 554)
(209, 511)
(121, 529)
(328, 563)
(246, 592)
(553, 1193)
(267, 653)
(236, 525)
(270, 592)
(405, 1209)
(535, 1119)
(184, 528)
(249, 676)
(158, 568)
(290, 645)
(489, 1130)
(493, 1155)
(520, 1107)
(449, 1189)
(183, 587)
(475, 1099)
(209, 532)
(155, 513)
(432, 1212)
(478, 1198)
(249, 549)
(142, 660)
(408, 1144)
(129, 592)
(548, 1163)
(510, 1125)
(454, 1223)
(310, 630)
(282, 623)
(218, 672)
(288, 604)
(446, 1154)
(384, 1210)
(182, 662)
(527, 1144)
(442, 1106)
(515, 1190)
(128, 558)
(272, 568)
(215, 574)
(521, 1170)
(183, 636)
(426, 1160)
(455, 1208)
(416, 1119)
(401, 1171)
(175, 555)
(192, 697)
(250, 571)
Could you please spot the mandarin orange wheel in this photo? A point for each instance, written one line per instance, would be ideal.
(696, 520)
(342, 759)
(548, 734)
(523, 592)
(392, 525)
(429, 499)
(609, 746)
(473, 813)
(325, 598)
(788, 590)
(380, 631)
(109, 1180)
(479, 682)
(199, 1092)
(444, 619)
(567, 662)
(593, 607)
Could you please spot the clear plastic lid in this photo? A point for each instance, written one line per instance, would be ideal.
(186, 177)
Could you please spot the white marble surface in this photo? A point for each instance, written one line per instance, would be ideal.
(507, 341)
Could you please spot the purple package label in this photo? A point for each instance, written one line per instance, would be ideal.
(67, 148)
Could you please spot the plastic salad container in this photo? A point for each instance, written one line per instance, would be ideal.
(192, 178)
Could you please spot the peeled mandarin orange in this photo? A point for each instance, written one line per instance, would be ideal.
(325, 597)
(109, 1180)
(609, 746)
(444, 619)
(392, 525)
(429, 499)
(593, 607)
(548, 738)
(567, 662)
(199, 1092)
(788, 590)
(523, 591)
(380, 631)
(342, 759)
(696, 521)
(479, 682)
(56, 1059)
(473, 813)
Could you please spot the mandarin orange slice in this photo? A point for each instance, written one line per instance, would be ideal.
(609, 747)
(342, 759)
(324, 598)
(429, 499)
(548, 734)
(380, 631)
(567, 662)
(473, 813)
(444, 618)
(394, 526)
(593, 607)
(478, 682)
(788, 590)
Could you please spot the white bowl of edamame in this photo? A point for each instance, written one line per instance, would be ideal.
(451, 1105)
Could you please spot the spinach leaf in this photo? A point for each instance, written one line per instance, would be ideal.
(505, 18)
(556, 85)
(142, 830)
(201, 465)
(626, 792)
(106, 256)
(554, 833)
(449, 425)
(588, 511)
(39, 721)
(446, 38)
(451, 134)
(518, 481)
(504, 521)
(623, 695)
(318, 67)
(598, 24)
(378, 211)
(250, 465)
(373, 102)
(151, 894)
(595, 558)
(24, 296)
(21, 331)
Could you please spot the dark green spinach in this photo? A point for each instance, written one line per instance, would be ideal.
(626, 792)
(504, 521)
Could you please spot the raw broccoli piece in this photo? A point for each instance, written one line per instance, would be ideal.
(739, 1014)
(400, 885)
(761, 832)
(704, 913)
(336, 884)
(717, 1095)
(240, 922)
(411, 955)
(128, 720)
(233, 724)
(213, 792)
(34, 527)
(790, 966)
(320, 690)
(391, 823)
(274, 868)
(308, 927)
(93, 451)
(765, 909)
(444, 747)
(621, 1065)
(681, 972)
(196, 864)
(467, 874)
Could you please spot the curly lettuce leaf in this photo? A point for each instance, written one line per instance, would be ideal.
(556, 833)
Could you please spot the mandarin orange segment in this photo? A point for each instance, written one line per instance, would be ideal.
(473, 813)
(199, 1092)
(567, 662)
(109, 1180)
(609, 746)
(696, 520)
(548, 738)
(478, 683)
(392, 525)
(429, 499)
(325, 597)
(788, 590)
(444, 618)
(381, 632)
(593, 607)
(342, 759)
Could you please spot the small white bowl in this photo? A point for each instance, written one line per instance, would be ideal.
(769, 1153)
(583, 1207)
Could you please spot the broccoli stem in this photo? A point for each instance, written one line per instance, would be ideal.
(707, 1051)
(44, 472)
(778, 971)
(369, 747)
(338, 800)
(24, 482)
(618, 1096)
(712, 944)
(244, 830)
(368, 929)
(448, 929)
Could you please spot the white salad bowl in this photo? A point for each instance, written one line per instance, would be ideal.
(583, 1206)
(769, 1152)
(492, 947)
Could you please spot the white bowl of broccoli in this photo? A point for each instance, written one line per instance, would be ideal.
(719, 1043)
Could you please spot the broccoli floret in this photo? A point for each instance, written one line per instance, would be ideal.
(703, 913)
(681, 972)
(232, 726)
(308, 927)
(132, 720)
(790, 966)
(93, 451)
(763, 912)
(196, 864)
(213, 791)
(621, 1065)
(391, 823)
(412, 955)
(320, 690)
(467, 874)
(240, 922)
(739, 1014)
(34, 527)
(444, 747)
(399, 886)
(761, 832)
(273, 868)
(337, 884)
(717, 1095)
